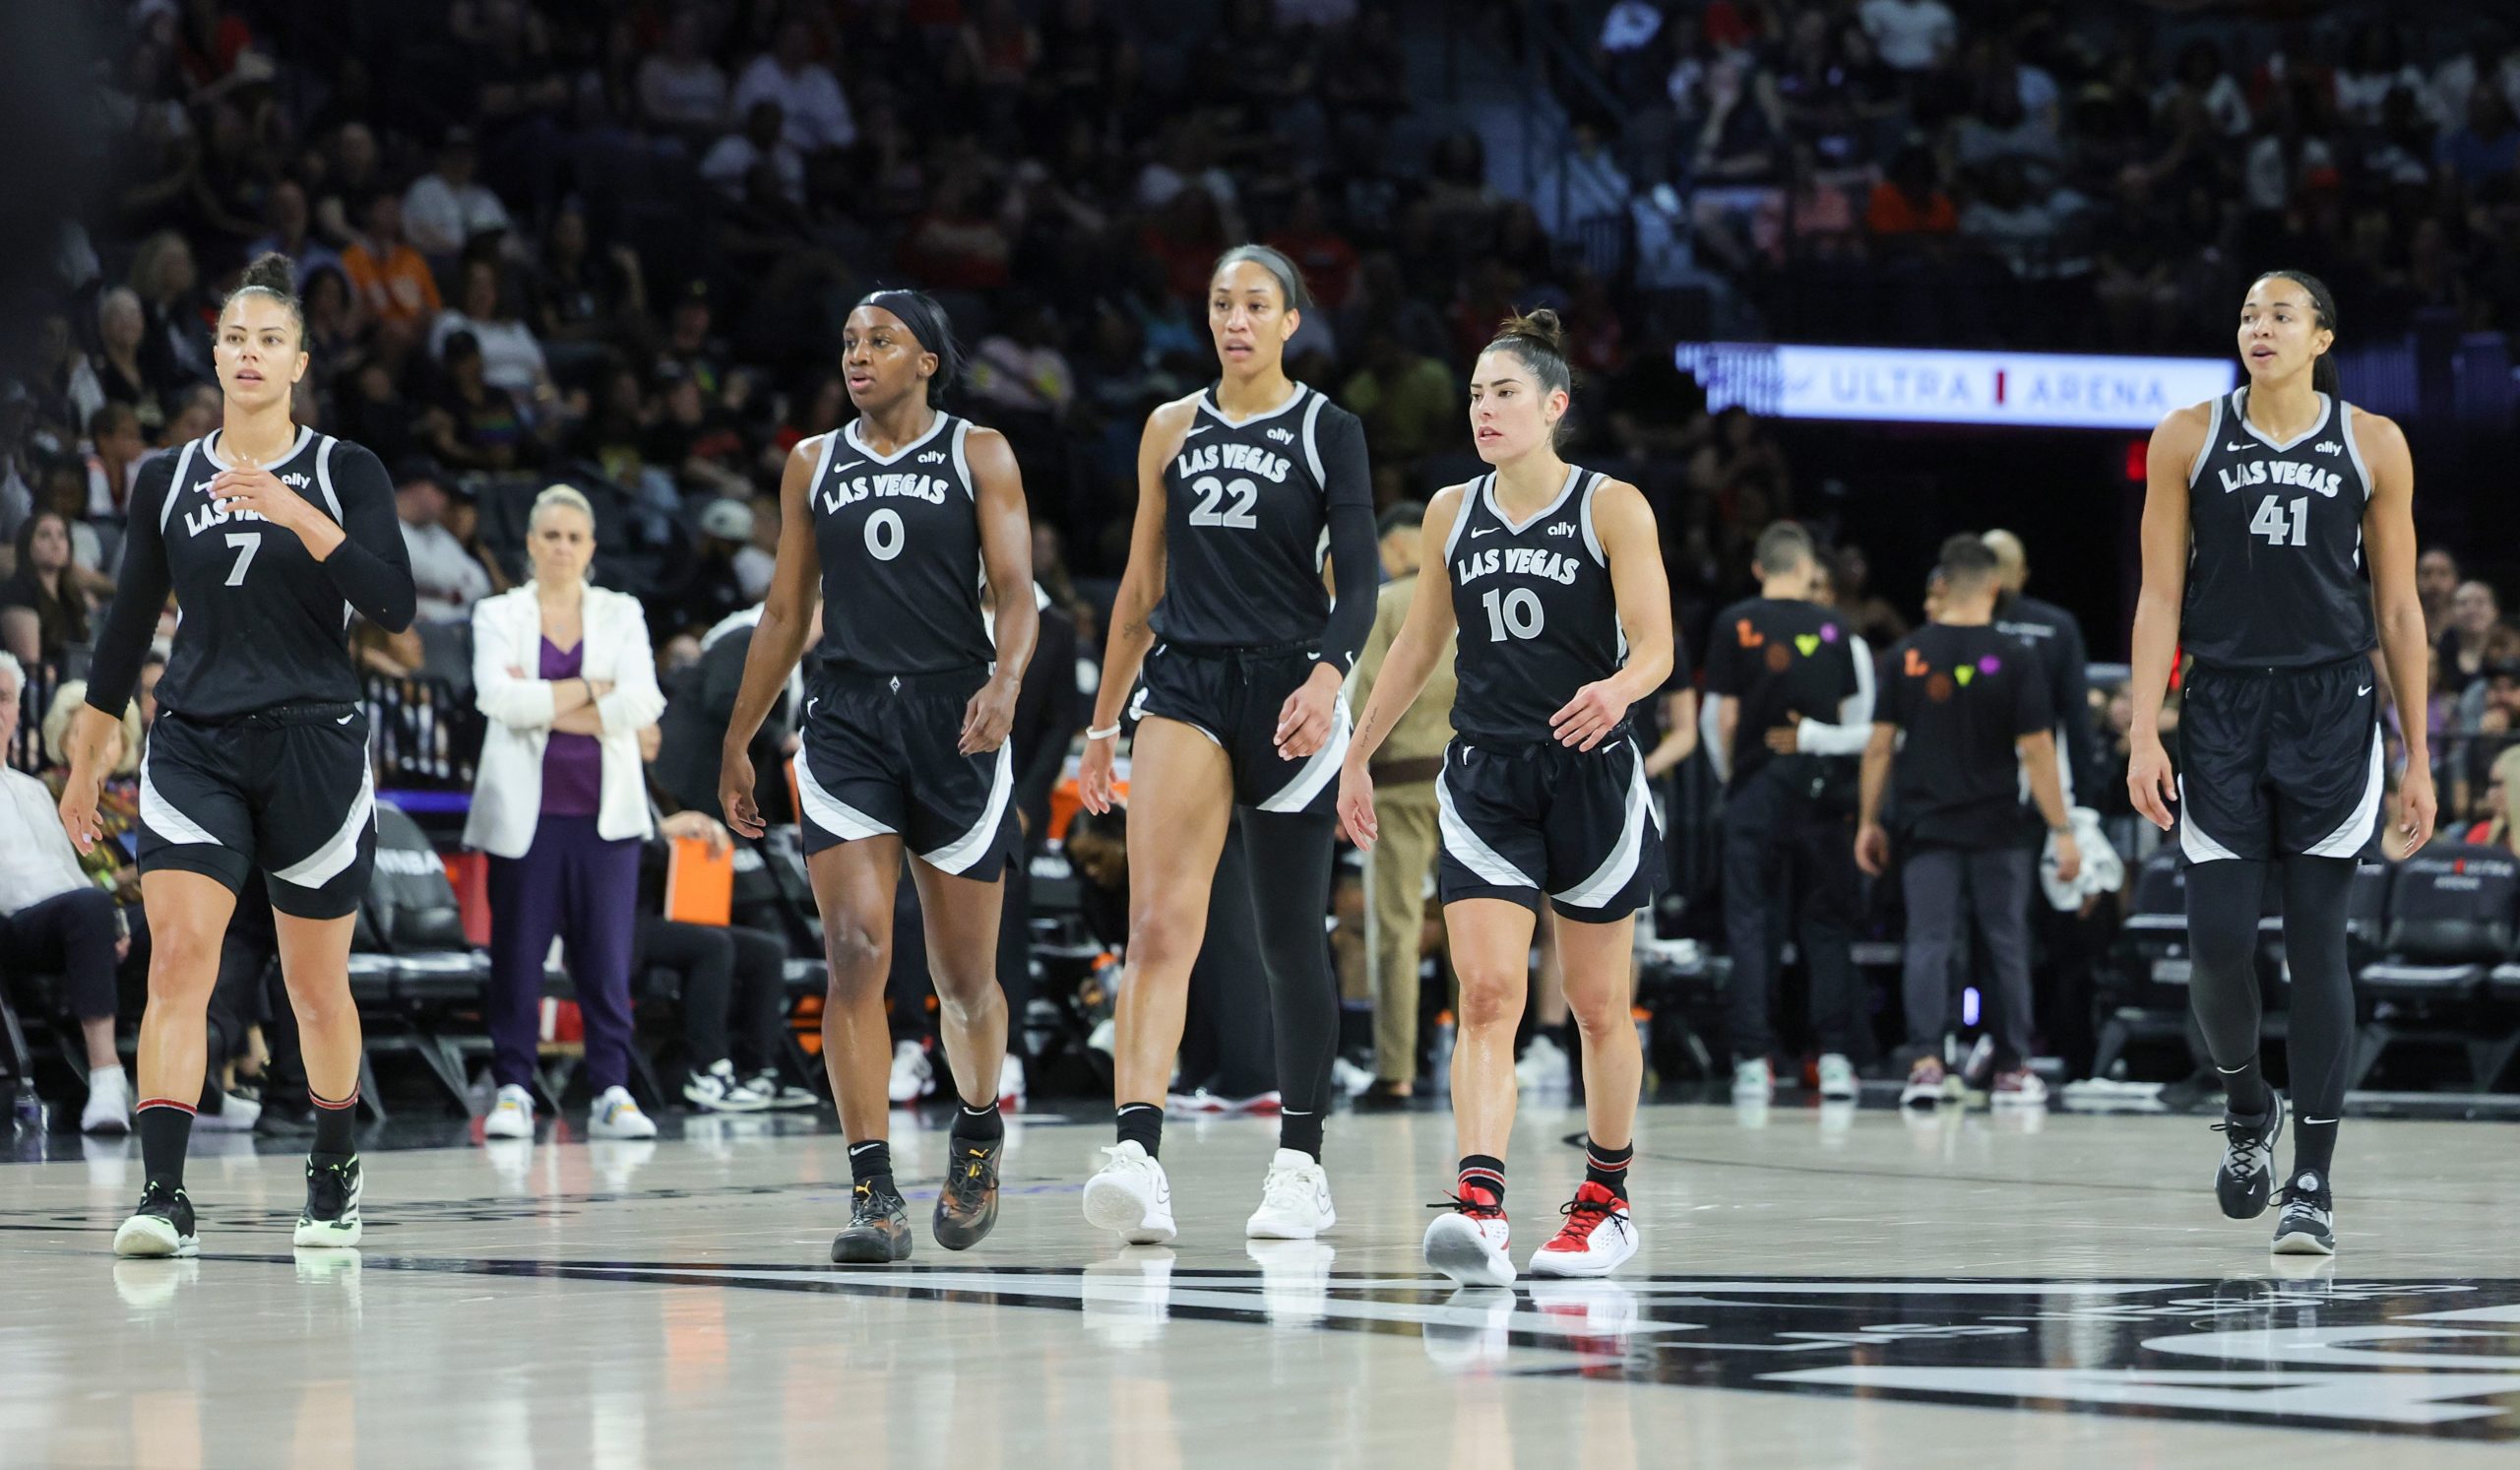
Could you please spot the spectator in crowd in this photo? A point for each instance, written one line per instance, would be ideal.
(566, 673)
(292, 224)
(450, 578)
(54, 919)
(2436, 580)
(682, 93)
(447, 209)
(1408, 400)
(393, 280)
(763, 140)
(2475, 612)
(115, 448)
(45, 609)
(125, 374)
(1404, 772)
(477, 424)
(808, 96)
(1914, 35)
(511, 359)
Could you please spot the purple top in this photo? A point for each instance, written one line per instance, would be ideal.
(572, 764)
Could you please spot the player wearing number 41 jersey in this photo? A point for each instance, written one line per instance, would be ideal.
(271, 539)
(903, 521)
(2275, 520)
(1553, 577)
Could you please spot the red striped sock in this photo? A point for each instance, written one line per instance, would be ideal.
(1482, 1182)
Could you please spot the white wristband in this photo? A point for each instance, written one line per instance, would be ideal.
(1108, 732)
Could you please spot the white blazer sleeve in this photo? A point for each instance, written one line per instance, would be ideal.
(517, 703)
(1853, 729)
(635, 701)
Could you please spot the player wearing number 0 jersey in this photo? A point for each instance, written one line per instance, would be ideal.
(271, 539)
(2276, 518)
(1553, 577)
(903, 521)
(1249, 491)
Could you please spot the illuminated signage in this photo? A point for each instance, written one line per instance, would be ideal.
(1892, 385)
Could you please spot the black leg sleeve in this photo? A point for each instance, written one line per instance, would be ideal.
(1291, 907)
(1224, 1037)
(2223, 899)
(2321, 1044)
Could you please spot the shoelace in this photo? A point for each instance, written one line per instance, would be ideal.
(968, 1184)
(1583, 1217)
(2239, 1140)
(328, 1191)
(1287, 1188)
(867, 1207)
(1476, 1209)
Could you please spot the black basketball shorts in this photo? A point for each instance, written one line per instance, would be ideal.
(1233, 697)
(2278, 761)
(880, 757)
(1581, 826)
(287, 790)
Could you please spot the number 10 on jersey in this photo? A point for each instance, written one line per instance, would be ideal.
(2279, 528)
(1513, 614)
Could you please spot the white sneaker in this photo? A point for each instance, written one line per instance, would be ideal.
(1753, 1081)
(512, 1116)
(720, 1090)
(1838, 1082)
(777, 1092)
(2019, 1088)
(1471, 1249)
(914, 1075)
(1348, 1078)
(1544, 1067)
(1294, 1200)
(237, 1114)
(1010, 1082)
(1132, 1196)
(617, 1115)
(108, 1108)
(1596, 1239)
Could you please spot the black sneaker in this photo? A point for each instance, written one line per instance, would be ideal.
(967, 1207)
(2246, 1175)
(331, 1216)
(2308, 1224)
(162, 1225)
(878, 1232)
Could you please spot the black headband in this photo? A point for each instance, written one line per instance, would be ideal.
(927, 322)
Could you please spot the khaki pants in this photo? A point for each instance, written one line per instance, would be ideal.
(1395, 873)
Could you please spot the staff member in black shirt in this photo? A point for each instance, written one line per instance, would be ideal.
(1769, 661)
(1966, 699)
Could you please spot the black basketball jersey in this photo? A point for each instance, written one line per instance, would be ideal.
(1779, 659)
(900, 537)
(1246, 517)
(260, 623)
(2275, 571)
(1539, 616)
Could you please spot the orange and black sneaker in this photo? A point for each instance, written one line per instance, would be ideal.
(1596, 1239)
(878, 1232)
(967, 1207)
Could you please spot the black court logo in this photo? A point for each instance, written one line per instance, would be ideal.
(2417, 1358)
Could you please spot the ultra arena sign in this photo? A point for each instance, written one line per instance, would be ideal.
(1890, 385)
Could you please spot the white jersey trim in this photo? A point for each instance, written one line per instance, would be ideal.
(1313, 445)
(2349, 839)
(1574, 472)
(965, 849)
(1465, 845)
(2205, 451)
(339, 851)
(160, 816)
(962, 462)
(1620, 866)
(2239, 411)
(1592, 538)
(831, 813)
(2354, 452)
(937, 426)
(1298, 793)
(175, 486)
(209, 452)
(1474, 493)
(1208, 404)
(2192, 839)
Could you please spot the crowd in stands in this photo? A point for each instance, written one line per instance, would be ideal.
(611, 242)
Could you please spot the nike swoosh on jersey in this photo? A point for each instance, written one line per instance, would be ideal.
(844, 469)
(2365, 689)
(1196, 432)
(2233, 448)
(346, 719)
(1479, 531)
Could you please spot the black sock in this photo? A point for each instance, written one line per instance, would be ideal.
(165, 1132)
(333, 1119)
(2244, 1089)
(980, 1124)
(2313, 1147)
(1608, 1167)
(1141, 1124)
(1482, 1180)
(1300, 1131)
(871, 1163)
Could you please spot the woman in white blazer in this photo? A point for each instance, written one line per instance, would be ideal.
(567, 677)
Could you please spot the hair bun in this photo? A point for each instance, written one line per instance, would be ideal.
(271, 272)
(1542, 328)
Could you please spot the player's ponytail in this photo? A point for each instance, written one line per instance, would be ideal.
(276, 274)
(934, 330)
(1538, 340)
(2323, 371)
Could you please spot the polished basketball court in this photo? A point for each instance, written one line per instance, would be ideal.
(1818, 1286)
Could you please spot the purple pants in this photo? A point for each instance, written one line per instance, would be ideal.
(586, 889)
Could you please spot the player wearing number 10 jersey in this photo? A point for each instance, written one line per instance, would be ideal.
(903, 519)
(2264, 509)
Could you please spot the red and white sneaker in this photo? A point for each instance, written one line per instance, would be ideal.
(1596, 1239)
(1468, 1241)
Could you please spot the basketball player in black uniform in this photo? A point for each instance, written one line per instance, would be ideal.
(1242, 489)
(2260, 512)
(270, 537)
(899, 521)
(1554, 576)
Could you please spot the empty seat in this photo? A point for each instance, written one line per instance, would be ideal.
(2449, 921)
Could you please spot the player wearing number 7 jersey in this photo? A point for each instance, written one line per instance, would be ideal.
(271, 538)
(902, 521)
(1554, 576)
(2260, 511)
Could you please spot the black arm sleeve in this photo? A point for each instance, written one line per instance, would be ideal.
(1356, 562)
(371, 567)
(139, 593)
